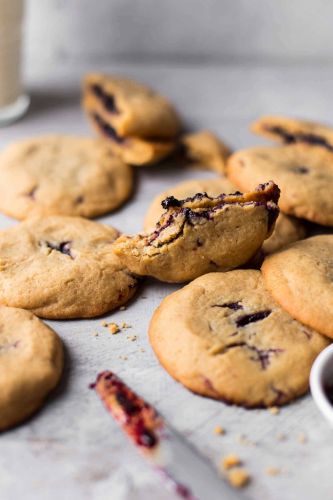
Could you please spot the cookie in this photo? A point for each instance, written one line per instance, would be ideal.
(202, 234)
(132, 150)
(130, 108)
(290, 131)
(300, 278)
(204, 150)
(230, 340)
(62, 175)
(287, 230)
(213, 187)
(303, 173)
(31, 363)
(62, 267)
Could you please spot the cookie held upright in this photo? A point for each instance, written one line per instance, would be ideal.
(202, 234)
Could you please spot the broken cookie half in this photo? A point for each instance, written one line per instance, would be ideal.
(202, 234)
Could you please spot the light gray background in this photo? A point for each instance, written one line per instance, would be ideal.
(179, 31)
(223, 63)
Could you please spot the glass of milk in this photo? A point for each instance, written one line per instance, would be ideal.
(13, 101)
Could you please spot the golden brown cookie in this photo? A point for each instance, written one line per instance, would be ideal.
(31, 363)
(130, 108)
(62, 175)
(303, 173)
(291, 130)
(202, 234)
(230, 340)
(300, 278)
(287, 230)
(62, 267)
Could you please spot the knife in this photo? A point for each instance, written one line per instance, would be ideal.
(183, 469)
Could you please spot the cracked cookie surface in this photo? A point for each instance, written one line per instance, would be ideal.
(224, 336)
(62, 267)
(303, 173)
(291, 131)
(300, 277)
(62, 175)
(202, 234)
(31, 361)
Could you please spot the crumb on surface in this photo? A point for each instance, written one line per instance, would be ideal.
(142, 349)
(302, 438)
(96, 334)
(238, 478)
(219, 430)
(274, 410)
(104, 323)
(122, 308)
(230, 461)
(132, 338)
(113, 328)
(272, 471)
(125, 325)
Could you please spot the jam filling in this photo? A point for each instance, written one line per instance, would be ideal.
(246, 319)
(138, 419)
(108, 100)
(290, 138)
(107, 130)
(64, 247)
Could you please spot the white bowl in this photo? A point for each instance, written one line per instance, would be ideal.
(321, 377)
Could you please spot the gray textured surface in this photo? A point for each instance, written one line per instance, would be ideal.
(179, 30)
(72, 449)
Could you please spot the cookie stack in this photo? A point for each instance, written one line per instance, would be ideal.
(241, 335)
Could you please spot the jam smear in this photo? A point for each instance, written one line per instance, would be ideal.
(138, 419)
(252, 318)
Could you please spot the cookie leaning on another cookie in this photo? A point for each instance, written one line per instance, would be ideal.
(62, 267)
(130, 108)
(62, 175)
(202, 234)
(300, 278)
(31, 363)
(230, 340)
(303, 173)
(213, 187)
(291, 130)
(140, 125)
(287, 229)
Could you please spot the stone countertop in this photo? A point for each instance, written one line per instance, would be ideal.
(72, 449)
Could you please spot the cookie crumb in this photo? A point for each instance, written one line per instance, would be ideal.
(230, 461)
(219, 430)
(302, 438)
(96, 334)
(122, 308)
(125, 326)
(238, 478)
(142, 349)
(104, 323)
(272, 471)
(274, 410)
(132, 338)
(113, 328)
